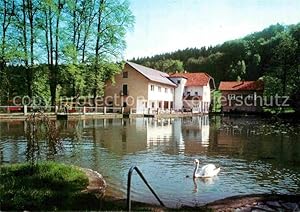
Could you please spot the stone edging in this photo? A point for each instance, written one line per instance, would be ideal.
(97, 184)
(257, 202)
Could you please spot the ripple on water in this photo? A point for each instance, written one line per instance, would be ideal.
(250, 161)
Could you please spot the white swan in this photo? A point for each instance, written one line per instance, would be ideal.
(209, 170)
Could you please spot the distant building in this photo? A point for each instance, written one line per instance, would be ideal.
(193, 91)
(141, 88)
(243, 96)
(145, 89)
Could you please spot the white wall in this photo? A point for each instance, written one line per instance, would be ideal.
(206, 93)
(179, 90)
(160, 95)
(193, 89)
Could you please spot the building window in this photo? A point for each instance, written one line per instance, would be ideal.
(196, 93)
(159, 89)
(166, 90)
(250, 96)
(178, 81)
(125, 74)
(159, 104)
(125, 90)
(153, 105)
(231, 96)
(124, 104)
(152, 87)
(188, 93)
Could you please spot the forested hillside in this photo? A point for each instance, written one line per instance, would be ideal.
(273, 53)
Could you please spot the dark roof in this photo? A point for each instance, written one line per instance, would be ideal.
(152, 74)
(241, 86)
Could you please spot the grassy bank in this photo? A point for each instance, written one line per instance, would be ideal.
(53, 186)
(46, 186)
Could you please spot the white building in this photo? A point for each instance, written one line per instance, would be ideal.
(193, 91)
(146, 90)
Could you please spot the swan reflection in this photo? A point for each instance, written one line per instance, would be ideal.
(203, 181)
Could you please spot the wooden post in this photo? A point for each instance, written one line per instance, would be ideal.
(104, 110)
(122, 110)
(25, 110)
(84, 110)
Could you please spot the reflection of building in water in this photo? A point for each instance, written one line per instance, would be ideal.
(178, 132)
(196, 128)
(159, 131)
(118, 135)
(131, 135)
(195, 132)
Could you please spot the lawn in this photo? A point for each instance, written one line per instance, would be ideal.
(46, 186)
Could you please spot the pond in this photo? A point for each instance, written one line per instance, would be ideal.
(256, 155)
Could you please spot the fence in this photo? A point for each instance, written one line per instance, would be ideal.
(24, 110)
(151, 111)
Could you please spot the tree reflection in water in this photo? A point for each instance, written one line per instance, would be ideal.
(42, 137)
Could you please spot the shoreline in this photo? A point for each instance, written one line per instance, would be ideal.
(80, 116)
(247, 202)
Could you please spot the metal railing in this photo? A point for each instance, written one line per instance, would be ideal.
(146, 183)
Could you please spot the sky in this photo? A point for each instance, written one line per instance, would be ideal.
(168, 25)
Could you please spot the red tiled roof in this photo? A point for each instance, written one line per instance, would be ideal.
(243, 85)
(194, 79)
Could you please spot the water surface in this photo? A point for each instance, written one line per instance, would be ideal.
(255, 155)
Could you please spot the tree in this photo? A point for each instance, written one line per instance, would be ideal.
(238, 70)
(98, 75)
(114, 18)
(168, 66)
(50, 20)
(7, 14)
(26, 25)
(284, 60)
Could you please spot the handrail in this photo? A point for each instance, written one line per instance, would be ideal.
(146, 183)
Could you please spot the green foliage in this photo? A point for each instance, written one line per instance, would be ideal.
(46, 186)
(40, 87)
(238, 70)
(216, 101)
(272, 85)
(59, 46)
(168, 66)
(273, 53)
(251, 54)
(97, 74)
